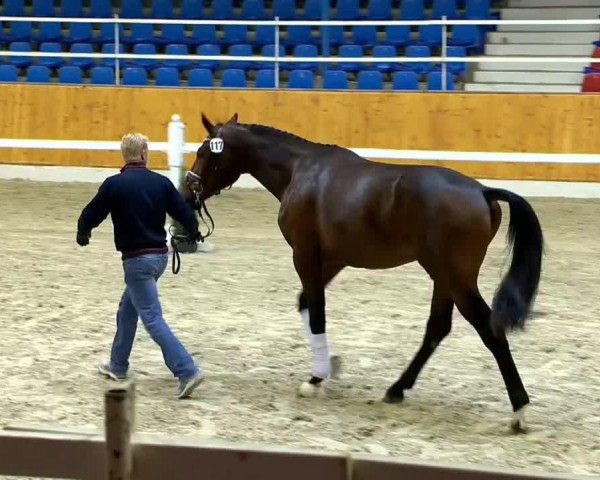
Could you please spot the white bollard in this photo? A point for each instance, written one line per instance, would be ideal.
(176, 141)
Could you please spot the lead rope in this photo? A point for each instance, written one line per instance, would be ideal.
(200, 205)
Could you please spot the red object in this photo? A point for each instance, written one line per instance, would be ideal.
(591, 83)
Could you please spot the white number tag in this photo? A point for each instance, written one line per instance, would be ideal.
(216, 145)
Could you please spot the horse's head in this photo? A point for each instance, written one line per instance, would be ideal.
(214, 168)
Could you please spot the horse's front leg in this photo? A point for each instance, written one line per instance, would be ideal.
(311, 305)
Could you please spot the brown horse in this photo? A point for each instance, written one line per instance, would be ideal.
(340, 210)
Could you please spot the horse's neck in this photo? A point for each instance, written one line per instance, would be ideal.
(273, 168)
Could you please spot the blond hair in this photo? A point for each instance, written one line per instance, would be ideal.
(132, 146)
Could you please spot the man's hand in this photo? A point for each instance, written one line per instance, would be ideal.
(196, 237)
(83, 239)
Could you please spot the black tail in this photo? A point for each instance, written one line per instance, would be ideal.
(515, 295)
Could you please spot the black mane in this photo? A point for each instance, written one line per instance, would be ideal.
(281, 135)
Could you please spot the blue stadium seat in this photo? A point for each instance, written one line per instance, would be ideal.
(430, 35)
(162, 9)
(407, 80)
(397, 35)
(253, 10)
(71, 8)
(208, 49)
(172, 33)
(132, 9)
(79, 32)
(200, 77)
(365, 35)
(305, 51)
(444, 7)
(418, 51)
(384, 51)
(109, 49)
(222, 10)
(100, 9)
(301, 79)
(233, 78)
(49, 32)
(350, 51)
(265, 78)
(143, 49)
(83, 63)
(468, 36)
(284, 9)
(379, 10)
(166, 77)
(102, 76)
(336, 35)
(269, 51)
(457, 68)
(51, 62)
(312, 10)
(298, 35)
(177, 49)
(140, 33)
(135, 76)
(107, 34)
(38, 74)
(191, 9)
(412, 10)
(434, 81)
(335, 80)
(264, 35)
(19, 32)
(20, 62)
(477, 9)
(14, 8)
(69, 74)
(234, 34)
(43, 8)
(347, 10)
(370, 80)
(241, 50)
(202, 34)
(8, 73)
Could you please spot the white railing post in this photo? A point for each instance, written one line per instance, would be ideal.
(176, 143)
(117, 41)
(276, 69)
(444, 53)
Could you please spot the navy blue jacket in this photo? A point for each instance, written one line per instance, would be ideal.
(138, 201)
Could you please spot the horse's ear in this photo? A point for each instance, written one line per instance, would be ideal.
(207, 124)
(233, 119)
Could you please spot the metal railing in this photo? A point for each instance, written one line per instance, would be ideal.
(277, 59)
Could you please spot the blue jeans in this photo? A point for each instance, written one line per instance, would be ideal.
(141, 298)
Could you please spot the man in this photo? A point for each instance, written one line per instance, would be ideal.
(138, 200)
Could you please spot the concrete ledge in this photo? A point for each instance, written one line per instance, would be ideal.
(97, 175)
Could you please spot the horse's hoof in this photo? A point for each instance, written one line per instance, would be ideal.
(335, 365)
(311, 390)
(517, 423)
(393, 397)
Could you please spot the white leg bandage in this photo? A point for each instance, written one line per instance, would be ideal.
(320, 349)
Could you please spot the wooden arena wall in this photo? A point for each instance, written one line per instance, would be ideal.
(456, 122)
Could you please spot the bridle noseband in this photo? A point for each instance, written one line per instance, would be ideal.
(200, 207)
(194, 183)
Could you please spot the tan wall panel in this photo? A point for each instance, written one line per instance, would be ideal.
(467, 122)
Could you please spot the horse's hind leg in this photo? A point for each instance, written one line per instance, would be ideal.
(438, 327)
(477, 312)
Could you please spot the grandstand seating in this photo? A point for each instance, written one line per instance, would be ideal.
(241, 40)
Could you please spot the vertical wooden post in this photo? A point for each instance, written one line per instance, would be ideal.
(119, 413)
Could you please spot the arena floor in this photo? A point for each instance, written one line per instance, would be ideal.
(235, 309)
